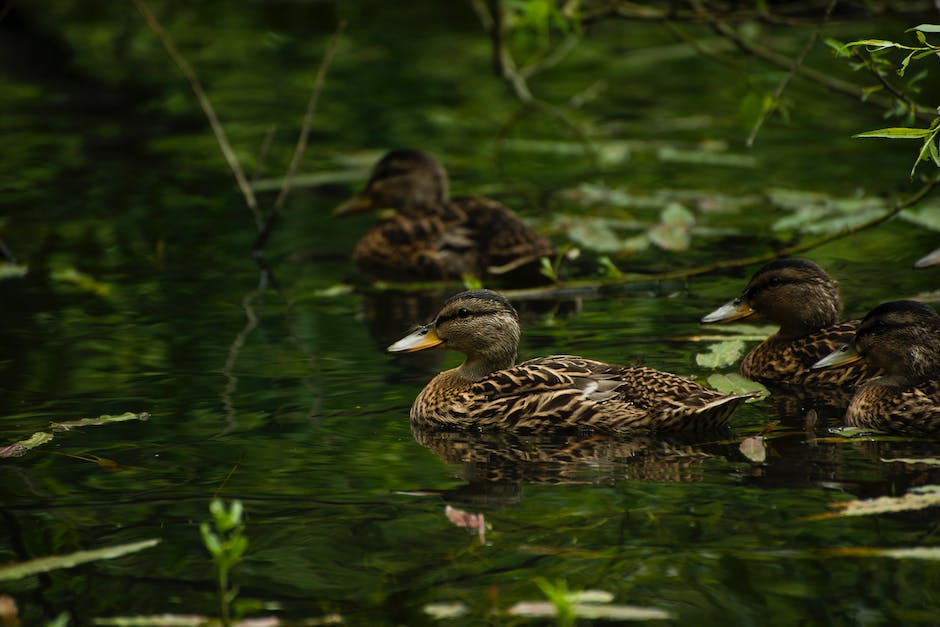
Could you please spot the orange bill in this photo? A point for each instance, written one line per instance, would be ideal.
(425, 337)
(736, 309)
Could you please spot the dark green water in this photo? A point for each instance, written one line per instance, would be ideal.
(109, 168)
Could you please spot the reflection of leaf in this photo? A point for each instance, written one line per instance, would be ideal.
(733, 383)
(918, 498)
(721, 354)
(46, 564)
(926, 461)
(18, 449)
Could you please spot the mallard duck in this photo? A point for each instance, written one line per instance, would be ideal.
(490, 391)
(423, 234)
(902, 338)
(930, 259)
(804, 300)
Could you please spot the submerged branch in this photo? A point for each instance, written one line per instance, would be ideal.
(217, 129)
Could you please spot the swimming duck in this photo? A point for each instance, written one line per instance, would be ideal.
(423, 234)
(490, 391)
(930, 259)
(902, 338)
(804, 300)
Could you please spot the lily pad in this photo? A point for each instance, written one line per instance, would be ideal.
(721, 354)
(733, 383)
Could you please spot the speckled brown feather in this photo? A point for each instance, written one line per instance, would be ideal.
(778, 359)
(566, 392)
(429, 236)
(905, 410)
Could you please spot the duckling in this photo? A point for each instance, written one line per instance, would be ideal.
(490, 391)
(426, 235)
(804, 300)
(930, 259)
(902, 338)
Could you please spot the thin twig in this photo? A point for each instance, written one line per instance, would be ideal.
(783, 61)
(301, 147)
(230, 157)
(797, 63)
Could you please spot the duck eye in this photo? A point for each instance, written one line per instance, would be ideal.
(463, 312)
(775, 281)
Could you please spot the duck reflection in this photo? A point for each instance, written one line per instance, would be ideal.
(506, 458)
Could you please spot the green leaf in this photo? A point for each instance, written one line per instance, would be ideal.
(18, 449)
(12, 270)
(55, 562)
(926, 28)
(721, 354)
(733, 383)
(897, 133)
(100, 420)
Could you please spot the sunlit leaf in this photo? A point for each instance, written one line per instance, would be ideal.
(926, 28)
(721, 354)
(733, 383)
(18, 449)
(46, 564)
(897, 133)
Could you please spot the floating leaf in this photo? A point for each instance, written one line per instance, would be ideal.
(444, 611)
(591, 611)
(918, 498)
(46, 564)
(12, 270)
(674, 229)
(18, 449)
(926, 461)
(100, 420)
(733, 383)
(594, 234)
(721, 354)
(755, 449)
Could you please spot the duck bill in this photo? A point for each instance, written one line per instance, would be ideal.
(842, 356)
(736, 309)
(933, 259)
(353, 206)
(425, 337)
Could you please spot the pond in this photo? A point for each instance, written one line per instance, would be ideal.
(142, 296)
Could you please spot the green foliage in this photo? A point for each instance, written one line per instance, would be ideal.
(227, 543)
(880, 63)
(559, 596)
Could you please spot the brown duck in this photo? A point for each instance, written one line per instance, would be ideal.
(423, 234)
(902, 338)
(491, 391)
(804, 300)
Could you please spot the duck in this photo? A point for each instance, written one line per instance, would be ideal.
(489, 391)
(423, 234)
(803, 299)
(928, 260)
(901, 338)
